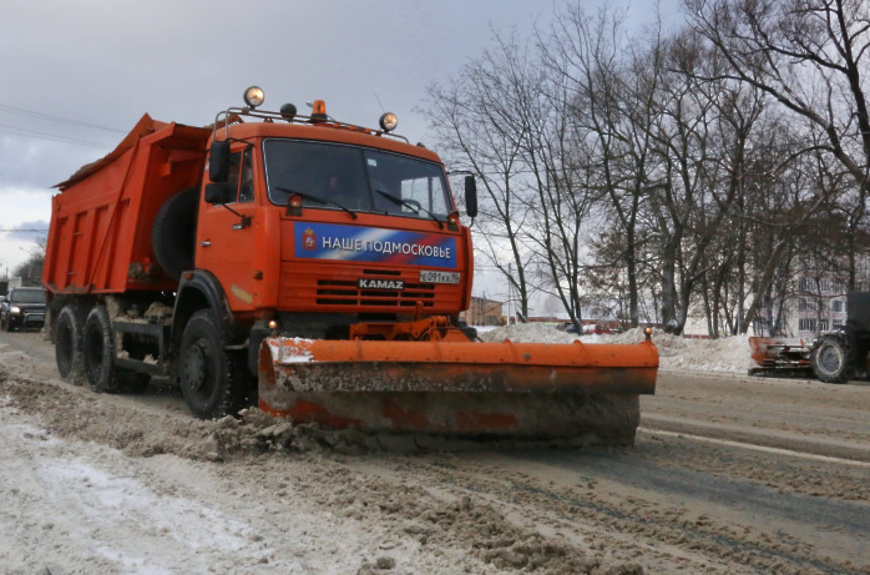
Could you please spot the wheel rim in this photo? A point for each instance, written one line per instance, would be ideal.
(830, 358)
(195, 366)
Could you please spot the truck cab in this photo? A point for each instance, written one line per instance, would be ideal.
(318, 225)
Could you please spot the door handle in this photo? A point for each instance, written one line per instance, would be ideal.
(205, 243)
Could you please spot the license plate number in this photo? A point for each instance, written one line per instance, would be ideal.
(436, 277)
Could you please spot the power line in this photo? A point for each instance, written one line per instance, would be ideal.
(59, 119)
(44, 136)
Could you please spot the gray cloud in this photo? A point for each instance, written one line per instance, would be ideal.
(107, 63)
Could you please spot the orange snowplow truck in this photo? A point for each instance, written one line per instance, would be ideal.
(315, 267)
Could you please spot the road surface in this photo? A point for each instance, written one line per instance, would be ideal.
(729, 474)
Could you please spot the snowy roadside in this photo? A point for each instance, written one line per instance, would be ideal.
(724, 355)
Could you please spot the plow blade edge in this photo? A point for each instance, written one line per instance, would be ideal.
(520, 390)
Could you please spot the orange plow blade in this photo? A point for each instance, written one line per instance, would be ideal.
(516, 390)
(780, 355)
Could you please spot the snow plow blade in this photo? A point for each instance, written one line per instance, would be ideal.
(463, 389)
(780, 355)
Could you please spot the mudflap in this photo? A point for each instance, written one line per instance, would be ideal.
(462, 389)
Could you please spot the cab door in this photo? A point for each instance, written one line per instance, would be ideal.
(225, 238)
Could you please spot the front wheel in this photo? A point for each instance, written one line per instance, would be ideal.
(205, 369)
(832, 358)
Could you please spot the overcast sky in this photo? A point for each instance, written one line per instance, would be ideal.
(76, 75)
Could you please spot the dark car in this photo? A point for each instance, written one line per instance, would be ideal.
(22, 307)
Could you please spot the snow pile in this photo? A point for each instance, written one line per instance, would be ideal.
(727, 354)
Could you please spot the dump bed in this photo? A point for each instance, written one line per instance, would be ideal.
(99, 240)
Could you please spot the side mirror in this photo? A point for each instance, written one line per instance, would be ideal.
(471, 196)
(219, 161)
(221, 193)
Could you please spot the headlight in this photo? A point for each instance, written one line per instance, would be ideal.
(254, 96)
(15, 310)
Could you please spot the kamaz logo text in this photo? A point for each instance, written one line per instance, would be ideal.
(365, 283)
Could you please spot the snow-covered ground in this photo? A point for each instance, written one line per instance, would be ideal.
(106, 484)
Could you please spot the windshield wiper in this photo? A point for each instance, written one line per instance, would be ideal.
(313, 198)
(411, 205)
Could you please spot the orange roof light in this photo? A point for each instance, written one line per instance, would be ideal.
(318, 111)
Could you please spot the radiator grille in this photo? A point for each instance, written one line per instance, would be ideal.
(342, 293)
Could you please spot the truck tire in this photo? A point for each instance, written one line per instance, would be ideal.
(7, 323)
(832, 358)
(205, 369)
(68, 343)
(98, 357)
(174, 232)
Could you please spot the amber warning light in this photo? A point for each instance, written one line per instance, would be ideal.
(318, 111)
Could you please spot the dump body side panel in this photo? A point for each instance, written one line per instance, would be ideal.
(100, 235)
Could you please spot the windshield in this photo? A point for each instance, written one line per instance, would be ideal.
(28, 296)
(360, 179)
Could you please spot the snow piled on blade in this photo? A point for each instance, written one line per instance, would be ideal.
(726, 354)
(290, 350)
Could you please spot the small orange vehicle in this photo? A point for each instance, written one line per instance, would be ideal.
(314, 268)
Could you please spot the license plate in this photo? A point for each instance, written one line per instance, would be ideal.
(437, 277)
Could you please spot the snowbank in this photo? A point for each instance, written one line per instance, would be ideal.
(727, 354)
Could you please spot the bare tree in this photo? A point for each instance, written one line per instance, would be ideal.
(612, 100)
(477, 124)
(31, 269)
(808, 55)
(508, 118)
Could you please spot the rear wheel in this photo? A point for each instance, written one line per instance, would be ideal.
(832, 358)
(211, 378)
(98, 354)
(68, 343)
(7, 323)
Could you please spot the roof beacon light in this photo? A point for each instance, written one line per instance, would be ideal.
(254, 96)
(318, 111)
(389, 122)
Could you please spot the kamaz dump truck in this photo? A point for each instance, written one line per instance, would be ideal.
(313, 266)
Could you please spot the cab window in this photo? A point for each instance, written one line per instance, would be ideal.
(241, 176)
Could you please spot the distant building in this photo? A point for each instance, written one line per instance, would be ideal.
(483, 312)
(818, 305)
